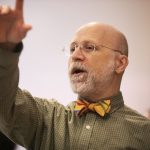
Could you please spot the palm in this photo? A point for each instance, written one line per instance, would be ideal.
(12, 27)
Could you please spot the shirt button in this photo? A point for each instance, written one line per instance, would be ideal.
(88, 127)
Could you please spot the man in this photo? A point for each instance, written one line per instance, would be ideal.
(97, 120)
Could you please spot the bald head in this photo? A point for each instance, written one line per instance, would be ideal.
(103, 68)
(106, 35)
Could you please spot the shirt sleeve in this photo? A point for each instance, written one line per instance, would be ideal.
(20, 113)
(8, 86)
(29, 121)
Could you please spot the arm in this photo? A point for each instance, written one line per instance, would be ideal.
(12, 31)
(26, 120)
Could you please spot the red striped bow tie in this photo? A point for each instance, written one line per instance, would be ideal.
(101, 107)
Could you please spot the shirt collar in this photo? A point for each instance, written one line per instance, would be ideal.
(116, 101)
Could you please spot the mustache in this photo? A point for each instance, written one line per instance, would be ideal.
(77, 67)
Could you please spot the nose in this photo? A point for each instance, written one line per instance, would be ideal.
(78, 55)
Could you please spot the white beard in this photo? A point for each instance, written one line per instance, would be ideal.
(94, 82)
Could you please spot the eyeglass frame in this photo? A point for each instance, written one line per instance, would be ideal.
(81, 47)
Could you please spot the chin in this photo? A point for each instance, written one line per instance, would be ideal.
(81, 89)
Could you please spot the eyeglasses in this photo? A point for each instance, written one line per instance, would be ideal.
(86, 48)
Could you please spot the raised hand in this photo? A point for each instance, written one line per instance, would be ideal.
(12, 26)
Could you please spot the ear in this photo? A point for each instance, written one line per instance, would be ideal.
(121, 63)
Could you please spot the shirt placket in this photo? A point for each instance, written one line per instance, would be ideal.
(87, 129)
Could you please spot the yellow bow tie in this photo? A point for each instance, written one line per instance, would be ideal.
(101, 107)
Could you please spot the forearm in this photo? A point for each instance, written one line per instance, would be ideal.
(9, 76)
(8, 82)
(9, 70)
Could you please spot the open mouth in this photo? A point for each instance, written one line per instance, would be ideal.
(78, 74)
(77, 71)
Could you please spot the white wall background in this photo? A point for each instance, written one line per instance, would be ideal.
(43, 66)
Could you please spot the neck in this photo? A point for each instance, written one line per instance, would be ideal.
(98, 98)
(101, 93)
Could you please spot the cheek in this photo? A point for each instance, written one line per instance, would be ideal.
(97, 64)
(100, 64)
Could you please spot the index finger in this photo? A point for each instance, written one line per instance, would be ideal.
(19, 5)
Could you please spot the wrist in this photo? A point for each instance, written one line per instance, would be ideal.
(11, 47)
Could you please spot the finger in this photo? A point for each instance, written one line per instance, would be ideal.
(19, 5)
(27, 27)
(4, 9)
(23, 31)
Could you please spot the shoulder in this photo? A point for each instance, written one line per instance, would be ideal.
(137, 126)
(135, 121)
(134, 115)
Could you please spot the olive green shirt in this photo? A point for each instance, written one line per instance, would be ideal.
(40, 124)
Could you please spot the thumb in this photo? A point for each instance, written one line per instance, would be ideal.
(23, 30)
(27, 27)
